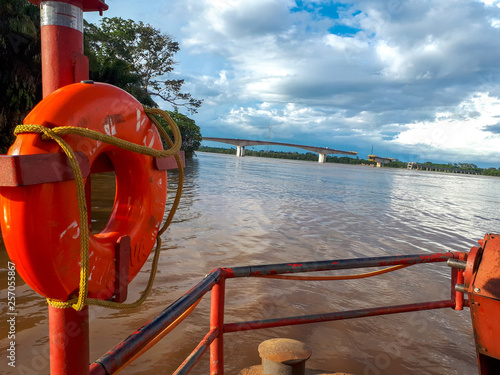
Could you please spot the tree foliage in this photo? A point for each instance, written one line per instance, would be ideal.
(138, 58)
(128, 54)
(20, 65)
(491, 172)
(191, 134)
(218, 150)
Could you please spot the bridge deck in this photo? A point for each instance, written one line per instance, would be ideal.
(247, 142)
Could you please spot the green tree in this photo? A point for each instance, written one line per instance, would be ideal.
(138, 58)
(491, 172)
(191, 134)
(20, 65)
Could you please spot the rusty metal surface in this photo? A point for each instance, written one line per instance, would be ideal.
(275, 368)
(327, 265)
(284, 350)
(485, 313)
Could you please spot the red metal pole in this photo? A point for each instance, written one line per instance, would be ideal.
(69, 341)
(63, 63)
(217, 322)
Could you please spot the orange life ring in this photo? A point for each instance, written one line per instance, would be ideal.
(40, 222)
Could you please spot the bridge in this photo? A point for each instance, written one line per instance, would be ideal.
(242, 143)
(426, 167)
(380, 160)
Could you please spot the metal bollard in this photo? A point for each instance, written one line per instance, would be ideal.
(284, 357)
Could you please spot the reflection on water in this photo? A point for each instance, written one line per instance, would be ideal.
(238, 211)
(103, 188)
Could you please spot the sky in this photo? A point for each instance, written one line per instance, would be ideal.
(416, 80)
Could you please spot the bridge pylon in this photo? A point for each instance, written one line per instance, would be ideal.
(240, 150)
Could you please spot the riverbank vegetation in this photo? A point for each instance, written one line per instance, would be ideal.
(491, 172)
(20, 65)
(131, 55)
(309, 156)
(190, 132)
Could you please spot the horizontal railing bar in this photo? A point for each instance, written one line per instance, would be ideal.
(340, 315)
(196, 354)
(113, 360)
(338, 264)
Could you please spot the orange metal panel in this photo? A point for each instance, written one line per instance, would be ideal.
(485, 313)
(484, 296)
(487, 280)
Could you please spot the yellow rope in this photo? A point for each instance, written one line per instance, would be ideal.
(344, 277)
(174, 147)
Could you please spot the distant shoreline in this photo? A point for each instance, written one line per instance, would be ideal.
(309, 156)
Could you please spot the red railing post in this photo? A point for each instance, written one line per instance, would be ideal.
(217, 322)
(457, 277)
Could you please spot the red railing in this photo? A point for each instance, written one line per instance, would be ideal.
(125, 351)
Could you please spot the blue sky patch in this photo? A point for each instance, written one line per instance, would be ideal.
(343, 30)
(329, 9)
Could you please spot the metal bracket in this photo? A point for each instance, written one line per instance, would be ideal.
(23, 170)
(122, 262)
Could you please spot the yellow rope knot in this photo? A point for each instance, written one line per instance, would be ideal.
(174, 147)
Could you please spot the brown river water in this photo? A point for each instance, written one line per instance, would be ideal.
(245, 211)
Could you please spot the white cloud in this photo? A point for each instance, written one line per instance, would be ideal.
(462, 131)
(495, 22)
(222, 25)
(267, 114)
(491, 2)
(381, 69)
